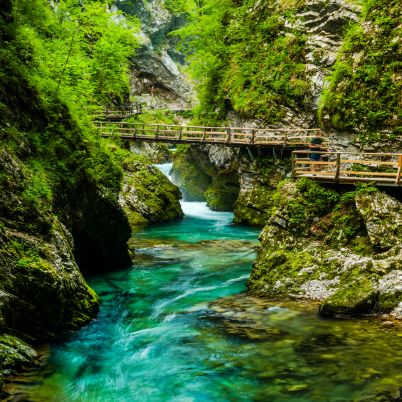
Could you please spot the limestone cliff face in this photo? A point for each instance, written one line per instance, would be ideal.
(156, 76)
(323, 24)
(230, 179)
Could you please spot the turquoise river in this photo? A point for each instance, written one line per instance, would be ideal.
(178, 326)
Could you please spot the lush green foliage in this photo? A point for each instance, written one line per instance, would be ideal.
(77, 51)
(242, 58)
(59, 64)
(181, 6)
(365, 87)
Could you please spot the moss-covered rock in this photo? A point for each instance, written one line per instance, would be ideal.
(147, 196)
(258, 181)
(357, 297)
(155, 152)
(316, 246)
(382, 215)
(42, 292)
(14, 354)
(222, 194)
(192, 181)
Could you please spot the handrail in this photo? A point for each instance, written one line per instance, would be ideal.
(343, 167)
(237, 136)
(292, 130)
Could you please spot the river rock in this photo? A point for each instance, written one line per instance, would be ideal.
(307, 252)
(156, 76)
(382, 215)
(147, 196)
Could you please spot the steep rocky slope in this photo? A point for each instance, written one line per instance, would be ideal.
(304, 64)
(156, 76)
(59, 207)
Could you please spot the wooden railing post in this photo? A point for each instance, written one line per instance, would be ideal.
(252, 139)
(180, 132)
(338, 166)
(285, 139)
(398, 175)
(135, 133)
(143, 129)
(293, 164)
(228, 135)
(157, 132)
(204, 133)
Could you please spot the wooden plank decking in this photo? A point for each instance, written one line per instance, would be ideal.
(335, 167)
(349, 168)
(232, 136)
(118, 113)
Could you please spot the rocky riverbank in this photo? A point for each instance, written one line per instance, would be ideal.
(343, 250)
(341, 247)
(68, 202)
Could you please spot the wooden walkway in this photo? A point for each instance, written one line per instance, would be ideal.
(334, 167)
(349, 168)
(231, 136)
(117, 113)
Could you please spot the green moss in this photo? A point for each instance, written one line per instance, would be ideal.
(190, 178)
(357, 297)
(253, 207)
(365, 85)
(14, 353)
(389, 301)
(280, 273)
(301, 202)
(149, 197)
(221, 195)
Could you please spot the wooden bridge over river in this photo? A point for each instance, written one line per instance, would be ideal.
(334, 167)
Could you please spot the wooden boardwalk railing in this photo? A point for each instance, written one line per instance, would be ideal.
(349, 167)
(233, 136)
(120, 112)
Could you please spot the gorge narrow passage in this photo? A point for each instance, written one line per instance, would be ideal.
(164, 334)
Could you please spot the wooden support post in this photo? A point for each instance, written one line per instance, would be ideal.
(398, 175)
(252, 139)
(157, 132)
(285, 139)
(180, 132)
(293, 164)
(228, 135)
(338, 166)
(204, 133)
(143, 129)
(250, 153)
(135, 133)
(274, 155)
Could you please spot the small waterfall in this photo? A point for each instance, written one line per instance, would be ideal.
(165, 168)
(197, 209)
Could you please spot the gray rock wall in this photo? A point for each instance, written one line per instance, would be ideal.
(156, 76)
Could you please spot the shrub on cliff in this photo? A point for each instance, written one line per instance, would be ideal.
(364, 91)
(242, 57)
